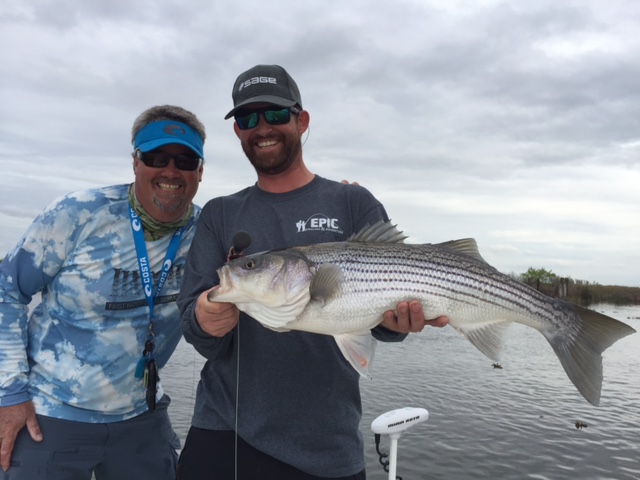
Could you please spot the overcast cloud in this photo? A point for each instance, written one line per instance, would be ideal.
(513, 122)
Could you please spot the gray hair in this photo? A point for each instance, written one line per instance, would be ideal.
(167, 112)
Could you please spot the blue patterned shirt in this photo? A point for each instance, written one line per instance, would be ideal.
(75, 354)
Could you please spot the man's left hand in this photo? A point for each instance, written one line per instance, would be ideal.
(409, 318)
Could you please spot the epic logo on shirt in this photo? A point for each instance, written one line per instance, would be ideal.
(319, 222)
(255, 80)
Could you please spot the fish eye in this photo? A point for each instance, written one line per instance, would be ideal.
(249, 264)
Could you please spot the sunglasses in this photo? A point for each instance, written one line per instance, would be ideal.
(162, 159)
(273, 116)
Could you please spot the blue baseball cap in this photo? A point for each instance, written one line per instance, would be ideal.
(166, 132)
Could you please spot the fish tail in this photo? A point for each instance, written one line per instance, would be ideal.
(581, 356)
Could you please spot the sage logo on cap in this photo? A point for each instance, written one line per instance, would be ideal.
(255, 80)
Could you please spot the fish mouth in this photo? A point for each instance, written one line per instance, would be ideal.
(223, 286)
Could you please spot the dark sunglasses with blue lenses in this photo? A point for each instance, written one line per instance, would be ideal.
(273, 116)
(162, 159)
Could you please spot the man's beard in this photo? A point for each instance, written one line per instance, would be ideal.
(275, 165)
(174, 206)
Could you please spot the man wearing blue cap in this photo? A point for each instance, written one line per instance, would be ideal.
(80, 392)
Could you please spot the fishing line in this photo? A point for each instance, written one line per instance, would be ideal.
(235, 447)
(192, 400)
(241, 240)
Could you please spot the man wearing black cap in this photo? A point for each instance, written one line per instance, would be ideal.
(80, 392)
(292, 398)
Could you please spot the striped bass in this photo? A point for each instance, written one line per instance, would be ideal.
(343, 288)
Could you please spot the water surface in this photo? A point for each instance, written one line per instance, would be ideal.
(517, 422)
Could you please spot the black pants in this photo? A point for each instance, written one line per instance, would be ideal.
(210, 455)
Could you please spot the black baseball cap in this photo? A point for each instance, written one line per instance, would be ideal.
(264, 84)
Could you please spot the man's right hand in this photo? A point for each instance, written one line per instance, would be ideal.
(12, 420)
(216, 318)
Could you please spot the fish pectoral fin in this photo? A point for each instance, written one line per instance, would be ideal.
(325, 283)
(488, 338)
(358, 348)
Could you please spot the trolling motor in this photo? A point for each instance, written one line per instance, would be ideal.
(241, 241)
(394, 423)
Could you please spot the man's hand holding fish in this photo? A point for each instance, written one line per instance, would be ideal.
(409, 318)
(216, 318)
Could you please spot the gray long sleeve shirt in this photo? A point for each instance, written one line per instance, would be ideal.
(298, 398)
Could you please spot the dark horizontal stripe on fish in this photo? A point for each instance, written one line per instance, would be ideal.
(440, 273)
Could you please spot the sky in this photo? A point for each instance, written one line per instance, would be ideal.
(516, 123)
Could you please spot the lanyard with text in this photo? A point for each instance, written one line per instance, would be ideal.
(146, 367)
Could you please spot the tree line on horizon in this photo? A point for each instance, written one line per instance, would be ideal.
(581, 292)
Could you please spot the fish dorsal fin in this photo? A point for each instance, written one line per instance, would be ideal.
(468, 246)
(379, 232)
(325, 282)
